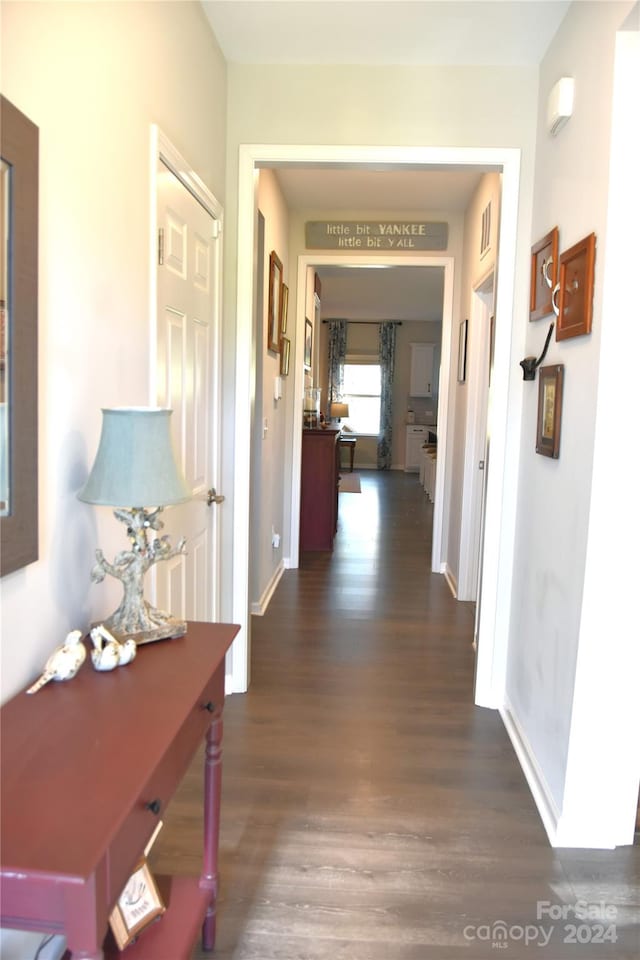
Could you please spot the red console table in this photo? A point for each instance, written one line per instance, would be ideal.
(87, 768)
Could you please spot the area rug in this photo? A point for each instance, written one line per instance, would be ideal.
(349, 483)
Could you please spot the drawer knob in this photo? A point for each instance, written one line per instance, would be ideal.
(154, 806)
(210, 706)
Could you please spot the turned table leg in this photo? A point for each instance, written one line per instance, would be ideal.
(212, 793)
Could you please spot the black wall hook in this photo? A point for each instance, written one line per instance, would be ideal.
(530, 364)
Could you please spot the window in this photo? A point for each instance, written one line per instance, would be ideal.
(361, 390)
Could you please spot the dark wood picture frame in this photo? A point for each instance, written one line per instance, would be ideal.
(575, 296)
(550, 385)
(285, 353)
(544, 275)
(274, 316)
(19, 148)
(462, 351)
(308, 343)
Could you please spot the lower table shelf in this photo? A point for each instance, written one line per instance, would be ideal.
(176, 932)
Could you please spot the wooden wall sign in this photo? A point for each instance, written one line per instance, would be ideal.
(575, 295)
(544, 275)
(370, 235)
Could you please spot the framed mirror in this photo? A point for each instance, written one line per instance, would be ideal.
(18, 339)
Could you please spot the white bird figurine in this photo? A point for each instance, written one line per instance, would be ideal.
(108, 653)
(64, 662)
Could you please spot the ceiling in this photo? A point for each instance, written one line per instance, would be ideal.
(392, 293)
(383, 32)
(391, 32)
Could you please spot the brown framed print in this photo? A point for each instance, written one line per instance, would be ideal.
(549, 410)
(138, 905)
(544, 275)
(274, 318)
(575, 294)
(285, 352)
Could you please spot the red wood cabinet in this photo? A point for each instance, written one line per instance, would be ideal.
(88, 765)
(319, 489)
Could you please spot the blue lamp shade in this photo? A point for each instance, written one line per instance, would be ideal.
(135, 465)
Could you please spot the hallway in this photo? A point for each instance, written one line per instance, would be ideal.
(370, 810)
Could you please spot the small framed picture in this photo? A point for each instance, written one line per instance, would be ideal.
(544, 275)
(138, 905)
(285, 351)
(285, 309)
(575, 297)
(308, 343)
(549, 410)
(462, 352)
(274, 317)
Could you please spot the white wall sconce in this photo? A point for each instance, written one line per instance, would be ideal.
(560, 105)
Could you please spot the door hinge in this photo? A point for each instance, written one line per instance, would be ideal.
(160, 246)
(481, 465)
(216, 229)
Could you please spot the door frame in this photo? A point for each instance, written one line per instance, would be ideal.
(501, 497)
(363, 260)
(476, 436)
(162, 150)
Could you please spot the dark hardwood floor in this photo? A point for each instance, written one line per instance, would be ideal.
(370, 810)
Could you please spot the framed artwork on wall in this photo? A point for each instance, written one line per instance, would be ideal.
(462, 352)
(285, 352)
(285, 309)
(544, 275)
(274, 316)
(575, 294)
(549, 410)
(308, 343)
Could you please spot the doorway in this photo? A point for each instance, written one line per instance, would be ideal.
(500, 500)
(312, 261)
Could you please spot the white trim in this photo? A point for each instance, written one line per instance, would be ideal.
(498, 550)
(260, 608)
(475, 437)
(450, 578)
(494, 601)
(540, 791)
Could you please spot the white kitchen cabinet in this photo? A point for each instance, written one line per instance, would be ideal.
(421, 382)
(417, 436)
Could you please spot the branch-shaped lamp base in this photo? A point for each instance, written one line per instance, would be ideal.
(135, 618)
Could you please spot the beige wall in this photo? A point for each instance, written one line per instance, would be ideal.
(270, 443)
(94, 77)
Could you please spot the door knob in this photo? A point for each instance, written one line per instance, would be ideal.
(213, 497)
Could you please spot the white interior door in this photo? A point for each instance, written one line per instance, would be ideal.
(188, 585)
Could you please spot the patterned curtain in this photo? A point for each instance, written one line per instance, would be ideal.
(337, 354)
(387, 353)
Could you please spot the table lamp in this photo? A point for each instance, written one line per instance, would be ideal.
(338, 410)
(135, 471)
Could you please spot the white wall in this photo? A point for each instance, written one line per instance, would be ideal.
(94, 77)
(555, 496)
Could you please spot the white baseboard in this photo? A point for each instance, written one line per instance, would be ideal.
(260, 608)
(549, 813)
(451, 580)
